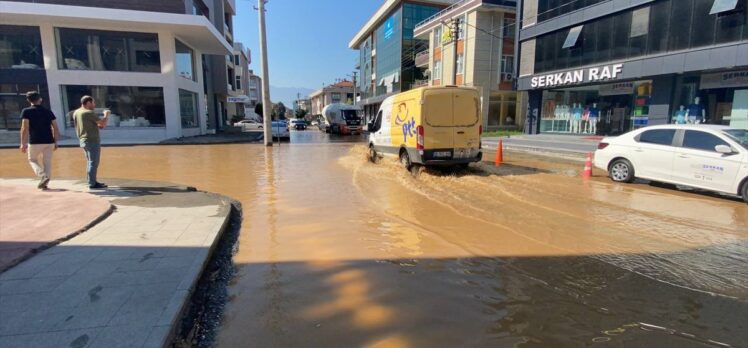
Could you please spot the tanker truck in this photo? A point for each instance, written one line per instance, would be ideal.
(342, 119)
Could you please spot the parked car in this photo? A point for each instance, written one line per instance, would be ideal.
(708, 157)
(280, 130)
(297, 124)
(249, 124)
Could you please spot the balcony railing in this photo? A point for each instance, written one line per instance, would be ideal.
(422, 58)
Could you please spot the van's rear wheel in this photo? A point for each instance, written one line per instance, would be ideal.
(744, 191)
(373, 155)
(405, 160)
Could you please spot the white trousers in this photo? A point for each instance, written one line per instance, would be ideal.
(45, 151)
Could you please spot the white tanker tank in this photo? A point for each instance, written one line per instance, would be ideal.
(343, 119)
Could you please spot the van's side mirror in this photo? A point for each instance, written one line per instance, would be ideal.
(724, 149)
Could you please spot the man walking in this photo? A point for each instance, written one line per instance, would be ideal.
(87, 127)
(39, 134)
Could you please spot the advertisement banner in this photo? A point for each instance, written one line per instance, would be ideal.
(622, 88)
(725, 80)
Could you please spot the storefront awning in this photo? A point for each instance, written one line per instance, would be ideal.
(196, 31)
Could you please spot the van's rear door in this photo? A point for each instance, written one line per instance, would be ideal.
(438, 120)
(466, 115)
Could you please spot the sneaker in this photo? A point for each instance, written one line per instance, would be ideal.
(97, 186)
(102, 184)
(43, 183)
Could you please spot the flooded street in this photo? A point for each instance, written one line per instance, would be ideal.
(335, 251)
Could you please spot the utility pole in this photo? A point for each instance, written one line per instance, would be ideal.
(455, 29)
(267, 107)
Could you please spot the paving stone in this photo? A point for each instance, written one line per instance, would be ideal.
(123, 336)
(157, 337)
(23, 286)
(98, 310)
(146, 305)
(72, 338)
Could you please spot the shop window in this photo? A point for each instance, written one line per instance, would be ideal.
(82, 49)
(658, 27)
(20, 47)
(572, 37)
(130, 106)
(703, 26)
(335, 97)
(680, 24)
(438, 36)
(13, 101)
(721, 6)
(621, 35)
(188, 108)
(185, 61)
(658, 137)
(701, 141)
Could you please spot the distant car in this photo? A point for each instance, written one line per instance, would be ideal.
(297, 124)
(280, 130)
(315, 123)
(707, 157)
(248, 124)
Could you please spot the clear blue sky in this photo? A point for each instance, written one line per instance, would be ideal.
(307, 40)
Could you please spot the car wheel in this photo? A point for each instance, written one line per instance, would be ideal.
(373, 156)
(744, 191)
(621, 170)
(405, 160)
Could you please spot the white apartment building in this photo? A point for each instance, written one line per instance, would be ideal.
(146, 67)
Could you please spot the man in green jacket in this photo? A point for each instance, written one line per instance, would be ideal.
(87, 126)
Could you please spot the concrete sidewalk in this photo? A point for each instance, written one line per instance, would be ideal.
(122, 283)
(570, 146)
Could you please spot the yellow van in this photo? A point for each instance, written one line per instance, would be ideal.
(428, 126)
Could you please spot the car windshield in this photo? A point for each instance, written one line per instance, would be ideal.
(350, 115)
(739, 135)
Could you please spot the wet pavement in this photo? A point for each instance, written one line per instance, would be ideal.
(336, 251)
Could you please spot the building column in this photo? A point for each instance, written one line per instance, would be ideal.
(660, 110)
(534, 105)
(168, 52)
(49, 49)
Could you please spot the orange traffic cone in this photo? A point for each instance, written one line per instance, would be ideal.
(587, 174)
(499, 154)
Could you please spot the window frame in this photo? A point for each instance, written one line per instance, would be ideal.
(673, 141)
(684, 133)
(572, 38)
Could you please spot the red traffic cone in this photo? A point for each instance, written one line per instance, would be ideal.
(499, 154)
(587, 173)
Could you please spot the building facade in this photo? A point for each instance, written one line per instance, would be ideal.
(340, 92)
(387, 49)
(145, 61)
(238, 100)
(472, 44)
(607, 67)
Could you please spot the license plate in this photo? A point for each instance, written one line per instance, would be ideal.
(442, 154)
(462, 153)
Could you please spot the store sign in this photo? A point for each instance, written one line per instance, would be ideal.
(725, 80)
(609, 72)
(239, 99)
(621, 88)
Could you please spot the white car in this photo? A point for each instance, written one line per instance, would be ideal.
(707, 157)
(249, 125)
(280, 130)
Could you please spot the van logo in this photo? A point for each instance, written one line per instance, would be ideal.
(402, 109)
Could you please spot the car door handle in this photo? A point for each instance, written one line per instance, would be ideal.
(638, 150)
(460, 132)
(683, 156)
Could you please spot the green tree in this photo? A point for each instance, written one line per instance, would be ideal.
(301, 113)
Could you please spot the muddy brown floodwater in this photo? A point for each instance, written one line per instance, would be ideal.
(338, 252)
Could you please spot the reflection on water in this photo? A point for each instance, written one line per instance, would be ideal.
(335, 251)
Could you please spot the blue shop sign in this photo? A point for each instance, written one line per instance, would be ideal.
(389, 28)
